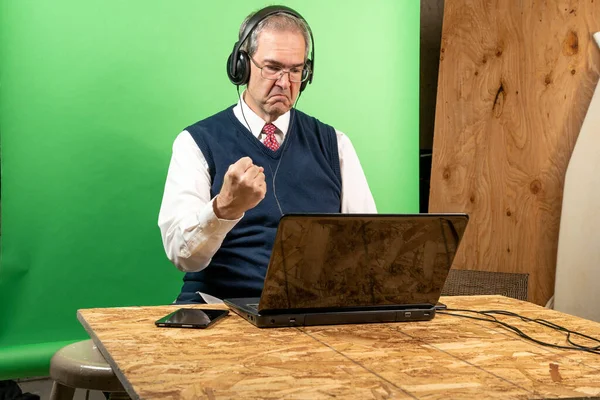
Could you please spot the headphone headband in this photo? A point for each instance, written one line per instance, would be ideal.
(238, 69)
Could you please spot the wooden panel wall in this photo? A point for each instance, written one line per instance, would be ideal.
(516, 78)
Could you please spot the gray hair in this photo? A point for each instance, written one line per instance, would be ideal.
(279, 22)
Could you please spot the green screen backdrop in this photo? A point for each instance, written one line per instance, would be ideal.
(92, 95)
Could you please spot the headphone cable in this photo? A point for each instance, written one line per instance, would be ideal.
(242, 107)
(285, 142)
(488, 316)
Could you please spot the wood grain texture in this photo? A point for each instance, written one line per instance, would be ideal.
(514, 86)
(448, 357)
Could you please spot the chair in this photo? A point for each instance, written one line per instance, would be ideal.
(80, 365)
(469, 283)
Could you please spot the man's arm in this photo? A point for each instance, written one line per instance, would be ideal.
(356, 194)
(190, 230)
(189, 222)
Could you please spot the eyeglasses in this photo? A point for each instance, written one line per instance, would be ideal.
(274, 73)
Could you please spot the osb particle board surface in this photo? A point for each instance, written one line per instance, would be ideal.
(448, 357)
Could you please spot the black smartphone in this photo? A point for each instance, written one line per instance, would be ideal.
(191, 318)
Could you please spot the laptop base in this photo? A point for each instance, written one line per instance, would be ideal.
(247, 309)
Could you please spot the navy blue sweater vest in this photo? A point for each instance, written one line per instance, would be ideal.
(308, 181)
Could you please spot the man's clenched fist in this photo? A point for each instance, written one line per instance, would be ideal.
(243, 188)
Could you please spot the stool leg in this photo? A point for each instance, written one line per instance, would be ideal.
(61, 392)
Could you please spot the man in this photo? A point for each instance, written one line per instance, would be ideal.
(233, 175)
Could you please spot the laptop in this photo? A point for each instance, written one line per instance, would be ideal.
(328, 269)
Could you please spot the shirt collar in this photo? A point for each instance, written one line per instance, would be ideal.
(256, 123)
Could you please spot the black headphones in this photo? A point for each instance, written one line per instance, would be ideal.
(238, 62)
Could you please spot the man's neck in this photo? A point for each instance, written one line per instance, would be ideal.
(255, 123)
(268, 118)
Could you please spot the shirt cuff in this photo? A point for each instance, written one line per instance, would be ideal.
(214, 225)
(207, 228)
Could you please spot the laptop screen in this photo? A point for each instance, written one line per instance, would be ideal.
(346, 260)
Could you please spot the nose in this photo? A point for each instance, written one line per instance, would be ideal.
(284, 80)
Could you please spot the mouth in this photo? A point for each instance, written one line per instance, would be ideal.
(279, 97)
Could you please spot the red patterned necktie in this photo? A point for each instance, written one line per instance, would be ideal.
(270, 141)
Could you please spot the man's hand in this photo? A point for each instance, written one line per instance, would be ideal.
(243, 188)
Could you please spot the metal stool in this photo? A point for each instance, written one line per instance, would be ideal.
(80, 365)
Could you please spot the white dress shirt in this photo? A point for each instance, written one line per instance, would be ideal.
(190, 230)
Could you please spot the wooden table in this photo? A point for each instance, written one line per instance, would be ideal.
(448, 357)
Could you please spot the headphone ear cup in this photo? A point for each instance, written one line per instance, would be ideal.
(243, 67)
(241, 74)
(310, 75)
(230, 73)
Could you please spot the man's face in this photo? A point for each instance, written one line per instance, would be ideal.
(270, 99)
